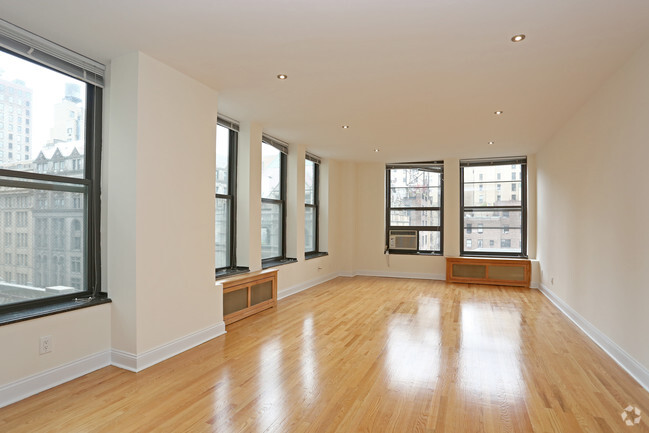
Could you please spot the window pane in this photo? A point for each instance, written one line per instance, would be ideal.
(492, 219)
(309, 182)
(271, 171)
(414, 197)
(271, 230)
(492, 173)
(46, 137)
(309, 229)
(414, 187)
(494, 240)
(222, 233)
(43, 243)
(407, 217)
(429, 241)
(500, 232)
(413, 194)
(492, 194)
(222, 159)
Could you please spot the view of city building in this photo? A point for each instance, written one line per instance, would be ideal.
(415, 200)
(42, 228)
(15, 121)
(491, 187)
(311, 207)
(223, 199)
(272, 202)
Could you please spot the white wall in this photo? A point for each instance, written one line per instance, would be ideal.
(159, 181)
(593, 238)
(249, 196)
(369, 224)
(75, 335)
(369, 227)
(336, 214)
(119, 170)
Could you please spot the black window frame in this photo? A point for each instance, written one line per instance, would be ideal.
(522, 160)
(315, 206)
(233, 142)
(90, 185)
(283, 151)
(435, 166)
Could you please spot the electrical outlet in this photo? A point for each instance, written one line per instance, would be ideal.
(45, 345)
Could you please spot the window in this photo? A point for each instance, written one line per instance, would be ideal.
(502, 223)
(468, 243)
(21, 219)
(76, 235)
(414, 208)
(22, 240)
(46, 227)
(311, 204)
(225, 212)
(273, 200)
(75, 264)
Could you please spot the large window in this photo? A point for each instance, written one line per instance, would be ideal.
(493, 198)
(50, 131)
(311, 205)
(414, 208)
(273, 200)
(225, 196)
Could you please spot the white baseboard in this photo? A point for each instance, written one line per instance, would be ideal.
(626, 361)
(389, 274)
(124, 360)
(135, 363)
(307, 285)
(23, 388)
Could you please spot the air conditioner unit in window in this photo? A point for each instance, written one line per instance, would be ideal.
(403, 239)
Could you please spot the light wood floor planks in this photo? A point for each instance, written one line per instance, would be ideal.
(364, 354)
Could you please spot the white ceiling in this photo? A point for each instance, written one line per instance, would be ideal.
(418, 79)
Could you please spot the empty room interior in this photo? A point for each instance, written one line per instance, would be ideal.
(331, 216)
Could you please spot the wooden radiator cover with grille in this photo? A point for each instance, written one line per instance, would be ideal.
(501, 272)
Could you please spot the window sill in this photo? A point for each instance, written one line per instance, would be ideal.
(231, 271)
(309, 256)
(495, 256)
(33, 312)
(277, 262)
(413, 253)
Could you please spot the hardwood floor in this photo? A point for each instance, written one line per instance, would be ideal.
(364, 354)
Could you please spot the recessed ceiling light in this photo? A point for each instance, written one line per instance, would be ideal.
(377, 150)
(345, 126)
(518, 38)
(491, 142)
(282, 76)
(498, 113)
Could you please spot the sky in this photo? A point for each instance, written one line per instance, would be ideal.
(48, 89)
